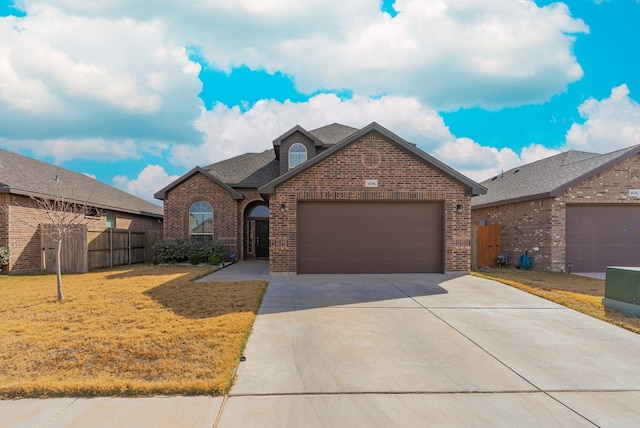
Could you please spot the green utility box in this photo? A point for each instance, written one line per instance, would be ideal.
(622, 289)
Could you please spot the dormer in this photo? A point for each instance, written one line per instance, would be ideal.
(295, 147)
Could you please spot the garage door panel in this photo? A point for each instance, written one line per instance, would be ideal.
(369, 237)
(598, 236)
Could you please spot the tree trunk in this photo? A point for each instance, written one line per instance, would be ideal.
(59, 271)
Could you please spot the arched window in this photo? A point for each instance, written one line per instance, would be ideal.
(260, 211)
(297, 155)
(201, 222)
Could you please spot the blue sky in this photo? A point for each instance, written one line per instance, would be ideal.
(137, 93)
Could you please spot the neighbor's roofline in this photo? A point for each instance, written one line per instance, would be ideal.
(559, 191)
(13, 191)
(473, 188)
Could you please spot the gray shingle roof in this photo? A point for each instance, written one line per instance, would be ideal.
(247, 170)
(547, 177)
(333, 134)
(25, 176)
(255, 169)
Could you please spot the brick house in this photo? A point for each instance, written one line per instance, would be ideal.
(575, 207)
(332, 200)
(23, 178)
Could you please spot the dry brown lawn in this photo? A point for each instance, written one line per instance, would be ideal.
(573, 291)
(138, 330)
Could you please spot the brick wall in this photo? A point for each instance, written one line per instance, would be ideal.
(135, 222)
(525, 226)
(198, 187)
(341, 176)
(541, 223)
(18, 229)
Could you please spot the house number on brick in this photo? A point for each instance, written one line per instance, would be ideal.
(370, 183)
(634, 193)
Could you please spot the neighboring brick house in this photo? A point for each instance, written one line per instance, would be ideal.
(23, 178)
(332, 200)
(575, 207)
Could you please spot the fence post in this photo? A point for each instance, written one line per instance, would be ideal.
(110, 247)
(129, 237)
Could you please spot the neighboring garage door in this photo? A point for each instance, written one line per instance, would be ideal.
(598, 236)
(369, 237)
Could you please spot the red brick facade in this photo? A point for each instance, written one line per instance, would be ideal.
(19, 214)
(539, 226)
(200, 188)
(400, 175)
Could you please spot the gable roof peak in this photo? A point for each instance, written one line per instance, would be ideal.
(471, 186)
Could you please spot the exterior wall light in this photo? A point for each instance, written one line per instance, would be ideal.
(281, 208)
(459, 209)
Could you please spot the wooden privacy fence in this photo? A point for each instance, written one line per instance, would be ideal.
(487, 248)
(87, 248)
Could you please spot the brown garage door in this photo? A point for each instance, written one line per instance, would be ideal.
(598, 236)
(369, 237)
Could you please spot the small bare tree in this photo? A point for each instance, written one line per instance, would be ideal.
(63, 217)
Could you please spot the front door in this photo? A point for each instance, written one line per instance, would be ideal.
(262, 238)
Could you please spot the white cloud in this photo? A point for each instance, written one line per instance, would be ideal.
(150, 180)
(611, 123)
(535, 152)
(230, 132)
(61, 150)
(113, 79)
(490, 53)
(474, 160)
(88, 77)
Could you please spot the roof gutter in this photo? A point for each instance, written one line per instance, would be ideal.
(512, 200)
(87, 203)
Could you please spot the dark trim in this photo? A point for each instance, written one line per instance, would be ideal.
(472, 188)
(161, 194)
(526, 198)
(300, 129)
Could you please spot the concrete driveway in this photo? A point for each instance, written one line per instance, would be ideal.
(429, 350)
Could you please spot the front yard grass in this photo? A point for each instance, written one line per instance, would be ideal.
(573, 291)
(137, 330)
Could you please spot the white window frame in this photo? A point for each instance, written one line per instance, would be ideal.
(199, 216)
(297, 154)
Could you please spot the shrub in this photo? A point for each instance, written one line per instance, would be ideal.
(195, 259)
(172, 251)
(4, 256)
(182, 251)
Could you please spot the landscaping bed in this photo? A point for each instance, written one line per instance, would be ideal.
(135, 330)
(573, 291)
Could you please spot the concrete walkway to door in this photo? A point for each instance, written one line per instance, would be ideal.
(428, 350)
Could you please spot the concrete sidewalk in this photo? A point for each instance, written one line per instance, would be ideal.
(396, 350)
(241, 271)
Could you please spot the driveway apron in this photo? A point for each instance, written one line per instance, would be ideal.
(428, 350)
